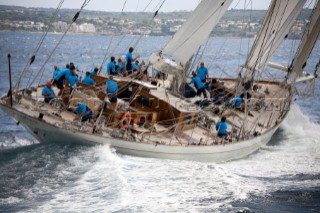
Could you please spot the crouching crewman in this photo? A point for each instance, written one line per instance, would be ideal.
(84, 113)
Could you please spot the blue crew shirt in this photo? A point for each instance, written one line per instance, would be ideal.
(88, 80)
(81, 108)
(93, 73)
(202, 73)
(111, 67)
(236, 102)
(120, 68)
(112, 86)
(221, 127)
(66, 72)
(198, 82)
(47, 89)
(73, 79)
(56, 72)
(134, 66)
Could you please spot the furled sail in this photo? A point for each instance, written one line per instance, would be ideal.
(307, 44)
(196, 29)
(278, 21)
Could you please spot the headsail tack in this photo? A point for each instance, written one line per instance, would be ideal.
(196, 29)
(276, 26)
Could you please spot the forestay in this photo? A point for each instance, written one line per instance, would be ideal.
(196, 29)
(278, 21)
(307, 44)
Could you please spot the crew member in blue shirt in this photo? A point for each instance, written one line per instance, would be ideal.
(112, 86)
(55, 71)
(221, 127)
(84, 113)
(202, 72)
(120, 66)
(199, 85)
(88, 80)
(111, 68)
(130, 59)
(237, 101)
(136, 66)
(94, 72)
(73, 78)
(48, 92)
(60, 77)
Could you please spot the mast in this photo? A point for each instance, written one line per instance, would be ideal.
(278, 21)
(307, 44)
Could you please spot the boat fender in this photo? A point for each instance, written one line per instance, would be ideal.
(126, 115)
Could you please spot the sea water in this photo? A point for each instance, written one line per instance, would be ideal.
(283, 176)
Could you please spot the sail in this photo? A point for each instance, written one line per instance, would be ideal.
(308, 42)
(196, 29)
(278, 21)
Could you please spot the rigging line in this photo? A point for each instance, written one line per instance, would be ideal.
(123, 36)
(155, 14)
(155, 8)
(147, 6)
(106, 55)
(274, 38)
(51, 20)
(240, 48)
(137, 6)
(250, 19)
(304, 33)
(109, 46)
(124, 6)
(292, 51)
(262, 44)
(235, 5)
(196, 30)
(38, 46)
(204, 48)
(120, 40)
(30, 76)
(193, 63)
(57, 45)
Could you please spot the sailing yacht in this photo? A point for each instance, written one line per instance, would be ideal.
(162, 119)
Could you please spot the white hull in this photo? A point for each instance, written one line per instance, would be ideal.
(48, 133)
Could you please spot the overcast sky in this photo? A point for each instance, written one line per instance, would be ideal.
(131, 5)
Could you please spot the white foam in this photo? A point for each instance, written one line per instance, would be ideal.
(106, 182)
(10, 200)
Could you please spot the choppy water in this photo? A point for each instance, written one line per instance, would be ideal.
(283, 176)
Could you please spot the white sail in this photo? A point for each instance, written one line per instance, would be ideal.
(196, 29)
(278, 21)
(308, 42)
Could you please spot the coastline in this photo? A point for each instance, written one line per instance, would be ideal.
(104, 34)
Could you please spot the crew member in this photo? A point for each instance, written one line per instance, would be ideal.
(48, 92)
(199, 85)
(84, 113)
(130, 59)
(221, 127)
(202, 72)
(88, 80)
(111, 68)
